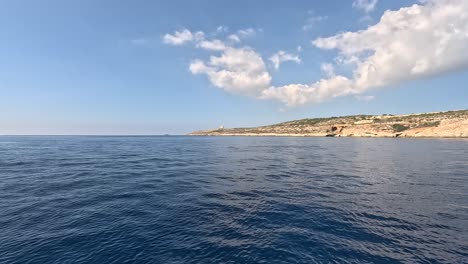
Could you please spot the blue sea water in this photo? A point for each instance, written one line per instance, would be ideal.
(233, 200)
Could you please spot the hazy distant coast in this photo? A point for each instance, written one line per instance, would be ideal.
(451, 124)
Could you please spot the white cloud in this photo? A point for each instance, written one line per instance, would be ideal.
(365, 5)
(414, 42)
(212, 44)
(419, 41)
(222, 29)
(237, 70)
(283, 56)
(298, 94)
(234, 38)
(198, 38)
(182, 37)
(243, 33)
(328, 69)
(247, 32)
(411, 43)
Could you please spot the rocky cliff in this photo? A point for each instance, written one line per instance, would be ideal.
(451, 124)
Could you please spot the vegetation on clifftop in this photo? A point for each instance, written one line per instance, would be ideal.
(358, 125)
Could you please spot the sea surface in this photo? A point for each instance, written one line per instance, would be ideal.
(233, 200)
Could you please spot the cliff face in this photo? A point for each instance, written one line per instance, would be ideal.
(441, 124)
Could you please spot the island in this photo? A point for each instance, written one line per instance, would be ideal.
(450, 124)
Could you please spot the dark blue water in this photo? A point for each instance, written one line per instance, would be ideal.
(233, 200)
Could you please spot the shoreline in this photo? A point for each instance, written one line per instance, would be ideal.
(450, 124)
(324, 136)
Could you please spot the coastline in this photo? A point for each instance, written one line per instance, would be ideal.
(321, 136)
(450, 124)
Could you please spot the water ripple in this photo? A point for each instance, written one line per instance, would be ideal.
(232, 200)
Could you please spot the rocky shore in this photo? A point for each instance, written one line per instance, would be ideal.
(451, 124)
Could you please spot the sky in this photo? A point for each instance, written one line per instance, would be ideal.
(171, 67)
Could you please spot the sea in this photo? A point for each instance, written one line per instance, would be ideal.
(182, 199)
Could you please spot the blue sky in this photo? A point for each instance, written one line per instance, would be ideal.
(112, 67)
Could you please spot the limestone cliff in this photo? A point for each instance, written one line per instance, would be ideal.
(451, 124)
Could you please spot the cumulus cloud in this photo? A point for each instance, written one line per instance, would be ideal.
(247, 32)
(181, 37)
(283, 56)
(419, 41)
(411, 43)
(243, 33)
(365, 5)
(212, 44)
(299, 94)
(185, 36)
(234, 38)
(328, 69)
(237, 70)
(222, 29)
